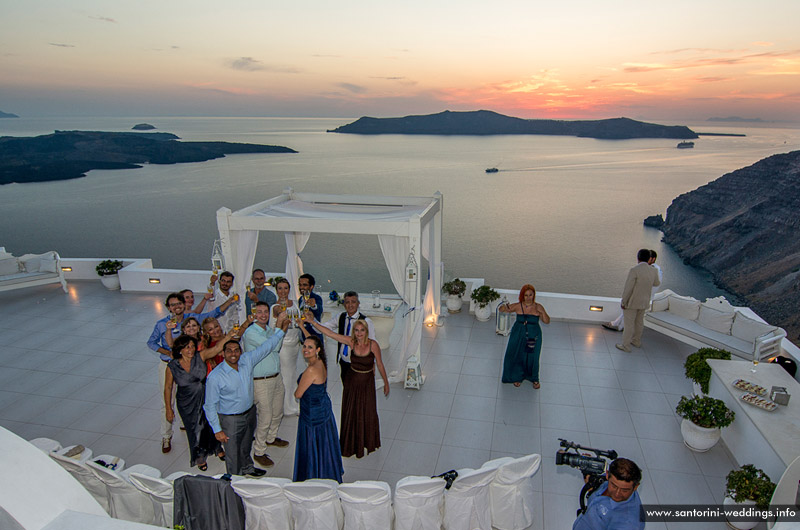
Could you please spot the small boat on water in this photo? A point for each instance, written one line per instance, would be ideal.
(492, 170)
(685, 145)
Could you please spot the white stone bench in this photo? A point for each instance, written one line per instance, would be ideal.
(714, 323)
(30, 270)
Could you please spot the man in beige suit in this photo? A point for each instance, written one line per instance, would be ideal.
(636, 299)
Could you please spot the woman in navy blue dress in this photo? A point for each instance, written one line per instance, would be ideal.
(317, 453)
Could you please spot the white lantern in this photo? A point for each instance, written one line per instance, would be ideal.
(502, 320)
(413, 373)
(217, 260)
(411, 267)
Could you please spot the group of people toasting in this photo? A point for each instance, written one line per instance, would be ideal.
(233, 382)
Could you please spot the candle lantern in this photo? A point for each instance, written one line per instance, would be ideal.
(502, 320)
(217, 260)
(413, 373)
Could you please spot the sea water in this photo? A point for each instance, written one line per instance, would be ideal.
(563, 213)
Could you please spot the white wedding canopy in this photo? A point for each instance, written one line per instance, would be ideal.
(405, 226)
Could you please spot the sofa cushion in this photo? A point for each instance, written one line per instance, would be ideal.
(749, 329)
(715, 319)
(693, 330)
(660, 302)
(9, 266)
(30, 262)
(47, 265)
(684, 306)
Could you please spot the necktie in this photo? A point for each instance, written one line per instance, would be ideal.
(345, 347)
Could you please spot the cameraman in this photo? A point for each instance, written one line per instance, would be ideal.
(615, 504)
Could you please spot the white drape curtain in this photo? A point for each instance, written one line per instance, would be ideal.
(395, 251)
(295, 243)
(243, 246)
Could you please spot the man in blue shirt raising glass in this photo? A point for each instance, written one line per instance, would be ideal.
(229, 400)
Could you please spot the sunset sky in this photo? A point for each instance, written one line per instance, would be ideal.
(674, 60)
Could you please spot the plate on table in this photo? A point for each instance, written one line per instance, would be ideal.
(747, 386)
(758, 401)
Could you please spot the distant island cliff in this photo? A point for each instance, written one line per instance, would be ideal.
(7, 115)
(743, 229)
(70, 154)
(485, 122)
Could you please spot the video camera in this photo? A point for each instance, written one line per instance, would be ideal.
(593, 467)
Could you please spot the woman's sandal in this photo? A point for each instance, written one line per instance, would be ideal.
(203, 466)
(517, 384)
(536, 385)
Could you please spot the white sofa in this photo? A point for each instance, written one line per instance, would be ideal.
(30, 270)
(714, 323)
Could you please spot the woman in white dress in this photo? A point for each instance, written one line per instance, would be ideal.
(290, 349)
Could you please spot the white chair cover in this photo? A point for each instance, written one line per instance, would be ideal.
(83, 457)
(124, 500)
(466, 503)
(419, 503)
(511, 493)
(315, 504)
(142, 469)
(160, 493)
(266, 507)
(46, 445)
(86, 478)
(367, 505)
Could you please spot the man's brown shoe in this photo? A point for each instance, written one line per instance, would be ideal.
(278, 443)
(166, 445)
(264, 460)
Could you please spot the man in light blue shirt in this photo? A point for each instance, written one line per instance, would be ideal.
(229, 401)
(268, 386)
(615, 504)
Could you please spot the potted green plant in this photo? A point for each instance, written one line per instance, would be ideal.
(483, 296)
(455, 289)
(107, 270)
(703, 419)
(748, 485)
(697, 369)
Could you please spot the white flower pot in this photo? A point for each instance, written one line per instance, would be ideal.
(699, 439)
(454, 303)
(111, 282)
(483, 314)
(741, 525)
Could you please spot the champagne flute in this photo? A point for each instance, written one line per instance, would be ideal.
(755, 362)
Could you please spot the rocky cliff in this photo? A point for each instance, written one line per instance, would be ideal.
(743, 228)
(485, 122)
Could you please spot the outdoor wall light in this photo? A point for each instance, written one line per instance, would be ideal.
(595, 308)
(66, 269)
(154, 280)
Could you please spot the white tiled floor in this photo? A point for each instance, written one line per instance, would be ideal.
(76, 368)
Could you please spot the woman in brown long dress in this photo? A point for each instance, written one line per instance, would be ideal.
(360, 427)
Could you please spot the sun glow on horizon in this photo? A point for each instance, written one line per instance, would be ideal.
(580, 60)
